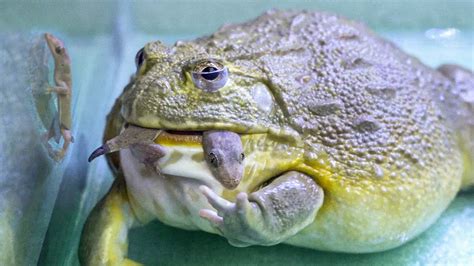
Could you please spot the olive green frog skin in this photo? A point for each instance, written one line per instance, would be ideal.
(348, 143)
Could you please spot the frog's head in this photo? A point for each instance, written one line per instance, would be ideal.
(187, 90)
(183, 88)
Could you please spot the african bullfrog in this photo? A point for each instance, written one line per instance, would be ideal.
(296, 127)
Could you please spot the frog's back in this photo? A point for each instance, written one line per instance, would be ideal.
(376, 138)
(385, 155)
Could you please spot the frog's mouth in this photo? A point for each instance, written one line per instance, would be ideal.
(211, 153)
(184, 133)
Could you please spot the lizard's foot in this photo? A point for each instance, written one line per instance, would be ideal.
(45, 140)
(58, 155)
(49, 90)
(148, 154)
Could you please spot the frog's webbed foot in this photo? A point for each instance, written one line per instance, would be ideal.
(268, 216)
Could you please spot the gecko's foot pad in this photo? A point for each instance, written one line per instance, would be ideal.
(59, 155)
(56, 154)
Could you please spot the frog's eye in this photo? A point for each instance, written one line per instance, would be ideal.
(210, 75)
(139, 58)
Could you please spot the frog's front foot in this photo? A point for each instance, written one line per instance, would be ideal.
(268, 216)
(236, 221)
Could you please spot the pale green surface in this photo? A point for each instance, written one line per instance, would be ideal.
(449, 241)
(29, 179)
(103, 39)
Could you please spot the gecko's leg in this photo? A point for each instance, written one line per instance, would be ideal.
(268, 216)
(61, 90)
(58, 155)
(104, 239)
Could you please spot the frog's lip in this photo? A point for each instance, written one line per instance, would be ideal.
(185, 134)
(179, 137)
(190, 128)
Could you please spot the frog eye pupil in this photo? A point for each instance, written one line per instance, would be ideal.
(210, 73)
(139, 58)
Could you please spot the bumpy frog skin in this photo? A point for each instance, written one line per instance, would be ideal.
(347, 141)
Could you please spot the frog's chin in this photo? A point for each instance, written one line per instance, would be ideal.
(169, 152)
(183, 154)
(185, 161)
(206, 156)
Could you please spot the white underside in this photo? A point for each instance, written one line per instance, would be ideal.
(170, 197)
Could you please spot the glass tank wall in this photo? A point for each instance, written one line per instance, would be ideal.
(43, 205)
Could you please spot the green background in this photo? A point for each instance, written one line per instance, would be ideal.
(103, 37)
